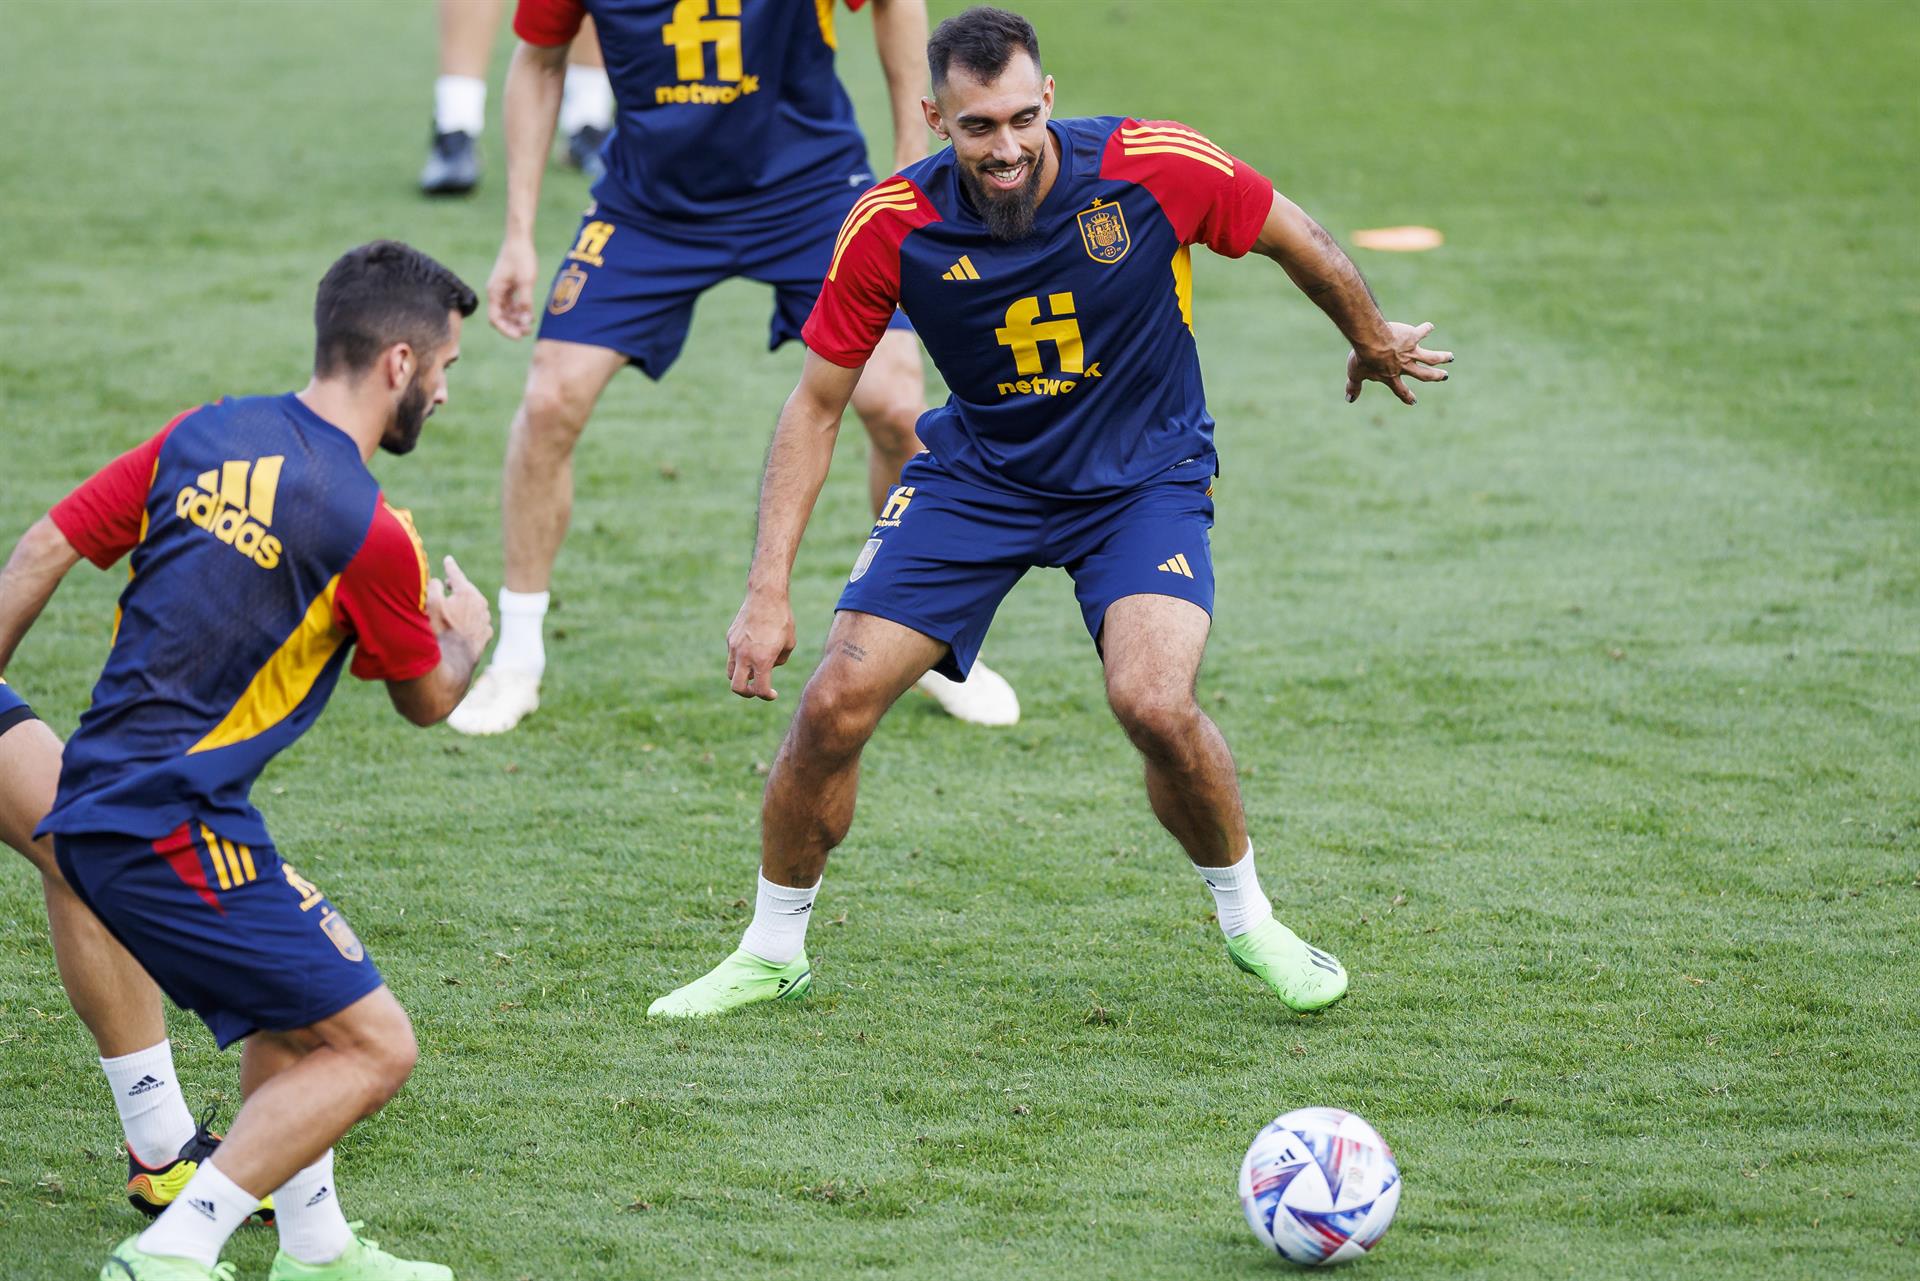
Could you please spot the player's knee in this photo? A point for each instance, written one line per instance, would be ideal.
(551, 416)
(393, 1056)
(835, 720)
(891, 429)
(1162, 723)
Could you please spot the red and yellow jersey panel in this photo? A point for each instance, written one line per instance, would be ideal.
(262, 554)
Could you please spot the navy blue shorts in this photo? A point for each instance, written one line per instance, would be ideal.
(632, 289)
(227, 930)
(946, 552)
(13, 708)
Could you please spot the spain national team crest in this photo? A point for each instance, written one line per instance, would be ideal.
(1103, 230)
(343, 937)
(566, 290)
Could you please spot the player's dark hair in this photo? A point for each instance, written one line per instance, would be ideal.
(982, 41)
(377, 295)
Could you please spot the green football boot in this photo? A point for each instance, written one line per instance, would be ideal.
(363, 1260)
(741, 979)
(129, 1262)
(1301, 975)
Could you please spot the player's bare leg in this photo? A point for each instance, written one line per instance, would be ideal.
(112, 994)
(536, 506)
(808, 808)
(1153, 646)
(467, 31)
(304, 1089)
(890, 397)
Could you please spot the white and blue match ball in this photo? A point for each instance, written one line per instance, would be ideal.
(1319, 1187)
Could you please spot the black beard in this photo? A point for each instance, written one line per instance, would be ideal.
(1008, 214)
(408, 419)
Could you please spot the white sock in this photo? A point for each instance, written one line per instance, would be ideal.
(153, 1116)
(586, 100)
(780, 916)
(522, 615)
(1238, 899)
(306, 1208)
(201, 1218)
(460, 104)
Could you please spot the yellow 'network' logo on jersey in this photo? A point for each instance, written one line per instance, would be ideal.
(695, 25)
(1025, 331)
(234, 503)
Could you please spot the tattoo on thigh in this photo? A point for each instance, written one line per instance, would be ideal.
(853, 651)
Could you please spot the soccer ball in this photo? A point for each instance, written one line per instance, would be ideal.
(1319, 1187)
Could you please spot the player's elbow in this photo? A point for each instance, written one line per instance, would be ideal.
(428, 700)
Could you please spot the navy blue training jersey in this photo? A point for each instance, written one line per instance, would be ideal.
(1070, 354)
(728, 110)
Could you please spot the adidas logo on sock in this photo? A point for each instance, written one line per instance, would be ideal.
(145, 1084)
(319, 1196)
(204, 1206)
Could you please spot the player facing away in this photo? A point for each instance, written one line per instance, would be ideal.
(113, 996)
(255, 522)
(735, 153)
(1045, 265)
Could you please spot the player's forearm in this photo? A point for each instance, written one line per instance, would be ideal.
(1324, 273)
(39, 561)
(535, 80)
(900, 35)
(797, 465)
(431, 698)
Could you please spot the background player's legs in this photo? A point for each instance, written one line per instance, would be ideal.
(304, 1089)
(890, 397)
(1152, 646)
(586, 103)
(467, 30)
(536, 504)
(109, 990)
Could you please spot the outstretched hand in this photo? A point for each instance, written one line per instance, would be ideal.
(1406, 356)
(457, 608)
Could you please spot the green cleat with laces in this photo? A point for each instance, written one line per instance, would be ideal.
(362, 1260)
(741, 979)
(1301, 975)
(129, 1262)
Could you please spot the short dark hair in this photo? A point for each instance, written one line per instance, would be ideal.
(982, 41)
(377, 295)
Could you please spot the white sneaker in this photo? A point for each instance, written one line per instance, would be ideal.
(498, 701)
(984, 698)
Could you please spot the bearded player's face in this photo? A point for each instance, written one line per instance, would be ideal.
(999, 136)
(425, 392)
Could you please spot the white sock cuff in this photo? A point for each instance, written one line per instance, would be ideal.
(524, 604)
(307, 1211)
(586, 100)
(460, 104)
(207, 1211)
(778, 933)
(1238, 900)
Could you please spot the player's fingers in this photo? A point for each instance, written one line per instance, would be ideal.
(1432, 357)
(454, 577)
(1353, 388)
(1425, 374)
(436, 592)
(1421, 331)
(1400, 389)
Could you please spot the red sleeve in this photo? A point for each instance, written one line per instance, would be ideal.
(862, 287)
(382, 600)
(548, 22)
(1212, 198)
(854, 5)
(105, 517)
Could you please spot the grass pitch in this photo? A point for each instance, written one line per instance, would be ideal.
(1576, 707)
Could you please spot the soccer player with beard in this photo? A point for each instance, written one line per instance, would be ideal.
(1044, 264)
(264, 556)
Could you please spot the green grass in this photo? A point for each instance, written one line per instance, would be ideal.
(1576, 707)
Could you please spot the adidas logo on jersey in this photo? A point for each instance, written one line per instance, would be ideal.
(962, 270)
(1178, 565)
(234, 503)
